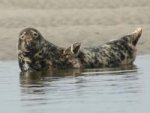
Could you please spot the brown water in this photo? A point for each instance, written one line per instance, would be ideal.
(109, 90)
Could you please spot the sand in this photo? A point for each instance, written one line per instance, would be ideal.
(63, 22)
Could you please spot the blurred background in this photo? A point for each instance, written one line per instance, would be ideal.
(63, 22)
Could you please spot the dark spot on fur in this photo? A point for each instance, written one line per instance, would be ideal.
(122, 56)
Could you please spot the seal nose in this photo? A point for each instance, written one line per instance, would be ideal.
(28, 40)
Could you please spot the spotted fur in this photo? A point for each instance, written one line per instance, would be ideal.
(35, 53)
(111, 54)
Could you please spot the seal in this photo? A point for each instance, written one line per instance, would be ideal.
(35, 53)
(114, 53)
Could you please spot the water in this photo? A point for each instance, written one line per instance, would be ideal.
(110, 90)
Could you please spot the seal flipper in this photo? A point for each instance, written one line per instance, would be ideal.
(133, 37)
(136, 35)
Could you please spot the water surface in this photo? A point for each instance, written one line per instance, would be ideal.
(109, 90)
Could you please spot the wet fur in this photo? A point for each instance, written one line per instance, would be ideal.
(36, 54)
(111, 54)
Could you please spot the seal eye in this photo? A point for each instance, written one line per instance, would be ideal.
(22, 37)
(35, 35)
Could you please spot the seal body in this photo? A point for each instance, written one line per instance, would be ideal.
(111, 54)
(35, 53)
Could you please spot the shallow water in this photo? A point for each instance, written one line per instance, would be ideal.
(109, 90)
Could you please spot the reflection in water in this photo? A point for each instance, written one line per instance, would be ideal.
(58, 88)
(117, 70)
(38, 77)
(107, 90)
(31, 80)
(35, 86)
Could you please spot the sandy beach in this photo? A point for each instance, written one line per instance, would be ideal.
(63, 22)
